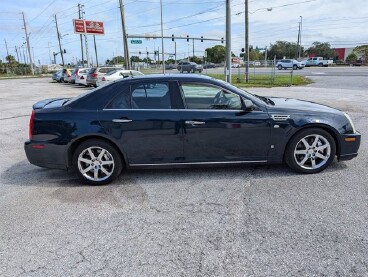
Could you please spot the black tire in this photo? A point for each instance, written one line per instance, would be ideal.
(295, 67)
(320, 64)
(111, 155)
(279, 66)
(291, 157)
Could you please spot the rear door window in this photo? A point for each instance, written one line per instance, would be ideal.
(153, 95)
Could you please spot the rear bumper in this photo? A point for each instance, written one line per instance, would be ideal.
(349, 146)
(91, 82)
(46, 155)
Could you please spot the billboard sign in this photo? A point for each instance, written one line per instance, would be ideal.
(79, 27)
(88, 27)
(94, 27)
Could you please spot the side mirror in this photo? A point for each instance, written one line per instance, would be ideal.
(248, 105)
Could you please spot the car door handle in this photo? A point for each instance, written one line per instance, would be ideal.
(195, 123)
(122, 120)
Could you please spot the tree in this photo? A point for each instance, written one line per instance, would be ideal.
(283, 49)
(170, 61)
(135, 59)
(10, 59)
(115, 60)
(351, 58)
(216, 54)
(196, 59)
(322, 49)
(363, 51)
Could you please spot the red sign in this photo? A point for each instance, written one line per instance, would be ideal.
(79, 27)
(94, 27)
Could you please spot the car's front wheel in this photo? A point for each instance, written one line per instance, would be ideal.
(97, 162)
(279, 66)
(310, 151)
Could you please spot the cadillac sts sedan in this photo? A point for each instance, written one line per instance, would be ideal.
(181, 121)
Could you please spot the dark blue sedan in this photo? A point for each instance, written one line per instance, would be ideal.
(183, 120)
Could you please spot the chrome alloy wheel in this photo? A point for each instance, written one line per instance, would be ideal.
(312, 151)
(96, 163)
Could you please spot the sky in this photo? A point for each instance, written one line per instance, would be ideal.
(342, 23)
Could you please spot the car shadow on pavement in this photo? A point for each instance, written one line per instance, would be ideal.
(25, 174)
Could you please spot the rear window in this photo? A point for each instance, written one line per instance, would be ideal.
(92, 70)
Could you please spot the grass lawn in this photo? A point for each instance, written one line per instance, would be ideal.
(265, 80)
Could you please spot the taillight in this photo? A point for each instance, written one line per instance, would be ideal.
(82, 77)
(94, 75)
(31, 123)
(103, 79)
(68, 75)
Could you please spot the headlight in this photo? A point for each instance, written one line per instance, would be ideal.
(351, 122)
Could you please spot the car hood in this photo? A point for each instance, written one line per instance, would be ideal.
(286, 104)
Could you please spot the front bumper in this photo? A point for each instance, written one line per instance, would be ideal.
(46, 154)
(349, 146)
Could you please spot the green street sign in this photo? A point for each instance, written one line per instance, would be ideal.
(136, 41)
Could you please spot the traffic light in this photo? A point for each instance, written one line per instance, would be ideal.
(147, 52)
(242, 50)
(172, 37)
(187, 38)
(64, 51)
(140, 52)
(201, 38)
(222, 40)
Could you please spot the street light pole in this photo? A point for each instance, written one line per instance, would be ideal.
(300, 35)
(162, 42)
(228, 42)
(246, 42)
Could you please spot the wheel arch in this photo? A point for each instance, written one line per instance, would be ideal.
(73, 146)
(333, 132)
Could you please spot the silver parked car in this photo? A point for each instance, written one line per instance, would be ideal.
(289, 63)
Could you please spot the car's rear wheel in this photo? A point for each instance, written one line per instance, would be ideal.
(310, 151)
(97, 162)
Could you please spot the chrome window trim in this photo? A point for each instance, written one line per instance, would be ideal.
(181, 110)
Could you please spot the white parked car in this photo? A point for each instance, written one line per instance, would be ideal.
(81, 76)
(115, 75)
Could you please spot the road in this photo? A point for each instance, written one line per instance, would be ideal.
(233, 221)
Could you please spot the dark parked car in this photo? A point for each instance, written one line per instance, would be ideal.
(183, 120)
(189, 67)
(209, 65)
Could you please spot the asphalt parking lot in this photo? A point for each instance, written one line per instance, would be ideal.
(232, 221)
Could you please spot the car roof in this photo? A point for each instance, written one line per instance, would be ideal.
(193, 77)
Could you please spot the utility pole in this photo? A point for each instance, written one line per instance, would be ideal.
(162, 42)
(48, 44)
(246, 54)
(85, 40)
(300, 35)
(175, 52)
(58, 35)
(297, 45)
(125, 38)
(16, 51)
(228, 42)
(193, 47)
(28, 47)
(6, 45)
(94, 40)
(80, 36)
